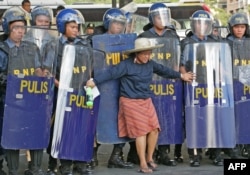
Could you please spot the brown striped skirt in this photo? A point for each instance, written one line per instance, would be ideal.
(136, 117)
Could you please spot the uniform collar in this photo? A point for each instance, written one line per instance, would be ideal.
(152, 30)
(64, 40)
(10, 43)
(194, 37)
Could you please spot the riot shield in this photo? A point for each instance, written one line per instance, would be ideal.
(241, 81)
(40, 36)
(209, 110)
(167, 94)
(46, 40)
(136, 23)
(107, 124)
(29, 98)
(75, 122)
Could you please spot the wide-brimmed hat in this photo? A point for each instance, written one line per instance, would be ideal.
(143, 44)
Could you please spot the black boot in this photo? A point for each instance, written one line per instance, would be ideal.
(132, 154)
(163, 157)
(52, 170)
(217, 161)
(234, 153)
(194, 160)
(177, 153)
(94, 160)
(12, 157)
(34, 167)
(82, 168)
(116, 161)
(248, 151)
(66, 167)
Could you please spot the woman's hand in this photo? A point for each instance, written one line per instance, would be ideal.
(188, 76)
(90, 83)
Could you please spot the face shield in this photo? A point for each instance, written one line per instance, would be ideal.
(161, 16)
(134, 25)
(42, 17)
(201, 26)
(117, 24)
(81, 22)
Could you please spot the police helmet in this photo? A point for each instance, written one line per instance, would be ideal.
(216, 23)
(112, 15)
(163, 11)
(68, 15)
(40, 10)
(216, 26)
(238, 18)
(10, 15)
(201, 23)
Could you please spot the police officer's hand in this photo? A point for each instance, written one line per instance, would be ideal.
(188, 76)
(90, 83)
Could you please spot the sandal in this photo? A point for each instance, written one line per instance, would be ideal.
(145, 170)
(152, 165)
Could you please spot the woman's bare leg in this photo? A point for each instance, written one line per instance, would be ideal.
(152, 138)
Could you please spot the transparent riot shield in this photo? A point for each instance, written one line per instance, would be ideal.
(29, 97)
(209, 102)
(75, 122)
(112, 45)
(136, 23)
(241, 81)
(40, 36)
(168, 94)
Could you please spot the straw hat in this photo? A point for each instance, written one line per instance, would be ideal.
(143, 44)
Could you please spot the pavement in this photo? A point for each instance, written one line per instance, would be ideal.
(206, 168)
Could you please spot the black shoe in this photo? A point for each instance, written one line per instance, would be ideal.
(169, 163)
(165, 160)
(34, 172)
(93, 163)
(52, 172)
(195, 161)
(119, 163)
(244, 152)
(82, 168)
(133, 158)
(65, 170)
(178, 159)
(218, 162)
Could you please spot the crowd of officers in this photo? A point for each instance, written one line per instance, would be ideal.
(68, 26)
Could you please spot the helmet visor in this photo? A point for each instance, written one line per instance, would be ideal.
(161, 16)
(45, 11)
(117, 24)
(201, 27)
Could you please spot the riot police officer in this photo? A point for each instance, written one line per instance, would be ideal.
(217, 30)
(14, 26)
(160, 19)
(41, 17)
(201, 27)
(114, 22)
(2, 97)
(238, 39)
(68, 24)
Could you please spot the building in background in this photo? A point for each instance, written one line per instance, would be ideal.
(233, 6)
